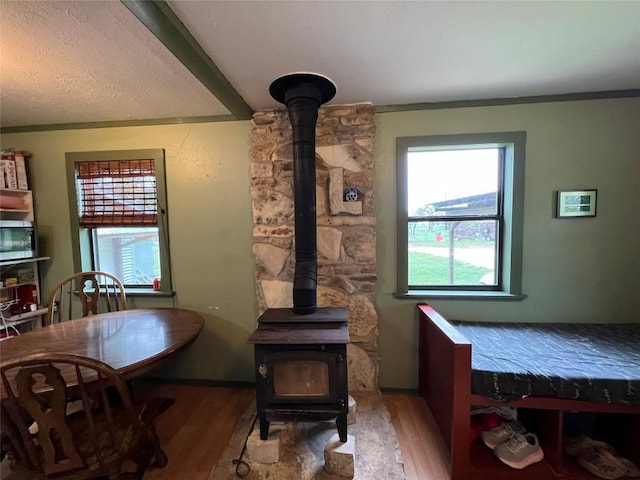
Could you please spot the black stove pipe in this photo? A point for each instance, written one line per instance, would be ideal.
(303, 93)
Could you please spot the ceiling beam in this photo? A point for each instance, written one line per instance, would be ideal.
(158, 17)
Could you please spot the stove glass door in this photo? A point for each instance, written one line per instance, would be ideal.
(301, 378)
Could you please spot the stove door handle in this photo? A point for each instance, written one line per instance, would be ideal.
(262, 370)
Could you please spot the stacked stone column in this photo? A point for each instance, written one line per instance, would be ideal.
(346, 228)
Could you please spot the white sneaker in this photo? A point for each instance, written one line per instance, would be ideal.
(501, 433)
(520, 450)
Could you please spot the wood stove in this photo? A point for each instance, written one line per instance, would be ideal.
(301, 367)
(301, 352)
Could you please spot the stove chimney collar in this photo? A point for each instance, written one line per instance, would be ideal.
(303, 84)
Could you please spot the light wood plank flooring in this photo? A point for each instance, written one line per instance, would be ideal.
(424, 451)
(195, 431)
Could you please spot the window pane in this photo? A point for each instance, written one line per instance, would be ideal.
(131, 254)
(453, 182)
(453, 253)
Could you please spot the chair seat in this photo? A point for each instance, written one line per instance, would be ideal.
(142, 445)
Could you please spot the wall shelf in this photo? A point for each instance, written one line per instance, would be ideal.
(18, 261)
(21, 318)
(18, 298)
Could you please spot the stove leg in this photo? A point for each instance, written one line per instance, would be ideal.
(341, 423)
(264, 426)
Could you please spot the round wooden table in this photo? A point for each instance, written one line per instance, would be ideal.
(130, 341)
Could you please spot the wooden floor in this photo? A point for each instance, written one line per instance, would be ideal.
(197, 428)
(424, 451)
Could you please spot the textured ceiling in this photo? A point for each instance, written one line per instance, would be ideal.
(78, 62)
(67, 62)
(413, 52)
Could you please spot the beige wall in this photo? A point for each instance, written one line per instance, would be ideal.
(574, 270)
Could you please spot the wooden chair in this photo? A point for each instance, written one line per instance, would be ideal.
(97, 292)
(110, 437)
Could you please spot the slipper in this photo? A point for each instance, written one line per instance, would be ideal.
(594, 461)
(575, 446)
(630, 469)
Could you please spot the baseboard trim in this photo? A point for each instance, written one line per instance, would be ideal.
(197, 382)
(238, 384)
(407, 391)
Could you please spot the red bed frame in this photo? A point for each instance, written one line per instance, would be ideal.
(444, 381)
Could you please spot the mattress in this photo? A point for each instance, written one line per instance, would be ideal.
(592, 362)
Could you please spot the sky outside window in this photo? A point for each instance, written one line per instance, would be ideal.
(436, 176)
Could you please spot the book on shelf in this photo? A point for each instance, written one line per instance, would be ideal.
(13, 169)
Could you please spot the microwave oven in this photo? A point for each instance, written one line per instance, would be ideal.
(17, 239)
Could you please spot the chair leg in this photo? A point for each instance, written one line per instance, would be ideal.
(129, 384)
(161, 459)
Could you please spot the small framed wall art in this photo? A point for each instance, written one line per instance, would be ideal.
(576, 203)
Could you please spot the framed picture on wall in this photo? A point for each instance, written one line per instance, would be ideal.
(576, 203)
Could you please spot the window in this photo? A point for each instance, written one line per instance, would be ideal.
(118, 215)
(460, 207)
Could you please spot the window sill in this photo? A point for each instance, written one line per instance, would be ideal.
(459, 295)
(148, 292)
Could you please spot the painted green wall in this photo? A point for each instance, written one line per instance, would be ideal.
(210, 229)
(574, 270)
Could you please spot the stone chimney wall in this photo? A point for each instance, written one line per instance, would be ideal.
(346, 224)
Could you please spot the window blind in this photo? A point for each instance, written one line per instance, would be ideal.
(117, 193)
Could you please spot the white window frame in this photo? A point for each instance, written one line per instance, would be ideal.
(510, 242)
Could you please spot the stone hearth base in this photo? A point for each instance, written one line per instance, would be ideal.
(303, 444)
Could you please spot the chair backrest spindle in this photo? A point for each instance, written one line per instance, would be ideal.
(94, 291)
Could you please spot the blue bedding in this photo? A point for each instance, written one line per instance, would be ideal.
(592, 362)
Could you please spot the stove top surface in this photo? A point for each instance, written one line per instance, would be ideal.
(287, 315)
(278, 326)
